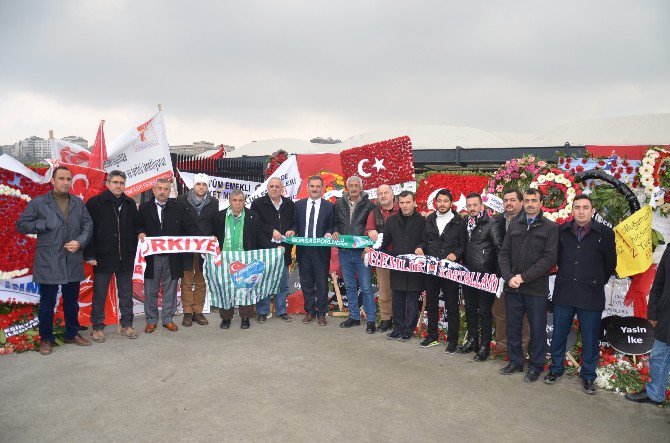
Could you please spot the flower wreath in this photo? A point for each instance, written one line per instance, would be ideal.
(458, 183)
(653, 174)
(516, 173)
(559, 190)
(274, 161)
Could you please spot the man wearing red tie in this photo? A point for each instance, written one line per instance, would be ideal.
(313, 218)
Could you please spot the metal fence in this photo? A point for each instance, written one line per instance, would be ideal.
(236, 168)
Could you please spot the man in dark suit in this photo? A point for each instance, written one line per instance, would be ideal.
(251, 236)
(161, 217)
(112, 252)
(313, 217)
(586, 261)
(403, 232)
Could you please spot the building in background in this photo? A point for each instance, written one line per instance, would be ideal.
(75, 139)
(196, 148)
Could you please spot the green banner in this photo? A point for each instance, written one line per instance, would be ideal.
(345, 241)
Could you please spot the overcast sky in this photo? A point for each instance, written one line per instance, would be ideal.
(233, 72)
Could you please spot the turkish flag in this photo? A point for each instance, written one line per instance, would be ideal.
(99, 151)
(327, 166)
(387, 162)
(86, 182)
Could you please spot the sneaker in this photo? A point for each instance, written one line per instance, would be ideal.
(552, 378)
(589, 387)
(349, 323)
(285, 317)
(451, 348)
(261, 318)
(98, 336)
(393, 335)
(510, 369)
(429, 342)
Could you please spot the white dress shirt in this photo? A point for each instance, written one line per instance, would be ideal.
(317, 205)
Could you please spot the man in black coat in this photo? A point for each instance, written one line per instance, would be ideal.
(313, 217)
(276, 213)
(112, 252)
(483, 242)
(586, 261)
(252, 237)
(658, 313)
(161, 217)
(202, 208)
(351, 215)
(528, 253)
(403, 233)
(444, 237)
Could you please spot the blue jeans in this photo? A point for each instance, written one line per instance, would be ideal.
(659, 368)
(263, 306)
(48, 298)
(355, 273)
(589, 324)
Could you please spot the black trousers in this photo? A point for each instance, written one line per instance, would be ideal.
(536, 309)
(405, 311)
(478, 305)
(124, 286)
(313, 272)
(449, 288)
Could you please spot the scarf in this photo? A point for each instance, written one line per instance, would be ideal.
(234, 230)
(472, 222)
(198, 203)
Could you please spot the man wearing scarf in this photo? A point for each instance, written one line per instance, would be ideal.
(239, 229)
(202, 208)
(482, 247)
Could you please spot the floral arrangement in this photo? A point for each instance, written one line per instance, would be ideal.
(16, 315)
(516, 173)
(331, 182)
(559, 189)
(616, 372)
(457, 182)
(654, 176)
(621, 169)
(274, 161)
(386, 162)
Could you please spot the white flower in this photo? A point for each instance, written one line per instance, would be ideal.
(541, 179)
(551, 176)
(571, 191)
(560, 177)
(646, 170)
(647, 181)
(568, 207)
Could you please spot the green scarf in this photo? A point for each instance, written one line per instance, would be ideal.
(234, 230)
(345, 241)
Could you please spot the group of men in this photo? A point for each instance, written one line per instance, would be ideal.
(521, 245)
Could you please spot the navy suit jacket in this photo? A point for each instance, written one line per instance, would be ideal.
(324, 224)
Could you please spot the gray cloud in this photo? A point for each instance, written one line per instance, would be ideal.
(243, 70)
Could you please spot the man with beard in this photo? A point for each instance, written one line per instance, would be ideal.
(403, 233)
(386, 207)
(444, 237)
(112, 252)
(276, 213)
(351, 214)
(528, 253)
(482, 247)
(202, 208)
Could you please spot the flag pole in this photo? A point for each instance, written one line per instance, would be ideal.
(160, 108)
(51, 134)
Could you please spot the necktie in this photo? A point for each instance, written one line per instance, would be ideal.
(160, 214)
(530, 221)
(579, 233)
(310, 226)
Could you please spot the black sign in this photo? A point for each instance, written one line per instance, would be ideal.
(631, 335)
(604, 324)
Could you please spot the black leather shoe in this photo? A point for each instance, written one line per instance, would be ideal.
(531, 376)
(469, 346)
(642, 397)
(187, 320)
(551, 378)
(261, 318)
(510, 369)
(385, 325)
(589, 387)
(451, 347)
(285, 317)
(245, 323)
(483, 353)
(225, 324)
(406, 337)
(349, 323)
(393, 335)
(370, 328)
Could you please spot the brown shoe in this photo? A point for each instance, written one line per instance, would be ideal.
(171, 327)
(188, 320)
(98, 336)
(322, 320)
(150, 327)
(129, 332)
(46, 347)
(200, 319)
(308, 318)
(78, 340)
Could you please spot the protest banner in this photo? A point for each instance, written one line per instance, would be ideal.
(633, 243)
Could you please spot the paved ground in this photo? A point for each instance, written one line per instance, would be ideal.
(289, 381)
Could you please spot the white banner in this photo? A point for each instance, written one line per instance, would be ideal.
(287, 172)
(68, 152)
(143, 154)
(221, 187)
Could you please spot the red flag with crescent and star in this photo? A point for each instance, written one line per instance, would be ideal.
(387, 162)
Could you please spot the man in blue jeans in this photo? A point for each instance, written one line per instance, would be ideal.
(351, 215)
(586, 261)
(64, 228)
(659, 315)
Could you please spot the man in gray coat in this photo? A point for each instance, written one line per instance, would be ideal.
(63, 227)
